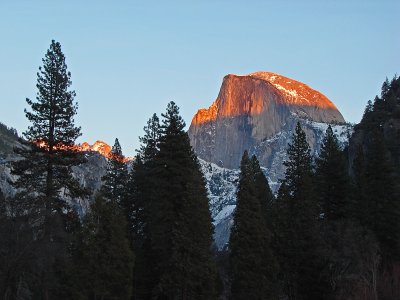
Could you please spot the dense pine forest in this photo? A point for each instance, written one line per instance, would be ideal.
(332, 231)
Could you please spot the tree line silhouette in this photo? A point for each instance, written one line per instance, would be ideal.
(330, 232)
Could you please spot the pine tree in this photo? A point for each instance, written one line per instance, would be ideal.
(374, 153)
(282, 240)
(140, 187)
(332, 185)
(382, 211)
(263, 190)
(297, 234)
(139, 195)
(46, 168)
(102, 256)
(115, 180)
(383, 114)
(332, 182)
(376, 168)
(180, 225)
(253, 267)
(17, 252)
(44, 172)
(359, 181)
(149, 142)
(299, 164)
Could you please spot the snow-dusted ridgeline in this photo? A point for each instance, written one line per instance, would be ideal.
(222, 182)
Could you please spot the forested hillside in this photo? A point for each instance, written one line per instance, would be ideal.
(331, 231)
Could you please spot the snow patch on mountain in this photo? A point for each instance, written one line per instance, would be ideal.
(221, 187)
(222, 182)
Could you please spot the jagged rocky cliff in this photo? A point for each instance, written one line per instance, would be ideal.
(88, 174)
(252, 109)
(258, 113)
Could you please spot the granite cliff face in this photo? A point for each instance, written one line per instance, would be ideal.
(251, 110)
(222, 182)
(256, 112)
(89, 174)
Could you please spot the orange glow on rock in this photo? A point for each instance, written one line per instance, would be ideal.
(99, 146)
(291, 92)
(205, 115)
(295, 92)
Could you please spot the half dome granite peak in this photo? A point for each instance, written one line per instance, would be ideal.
(252, 108)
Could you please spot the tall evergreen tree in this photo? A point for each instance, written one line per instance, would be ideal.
(139, 195)
(359, 180)
(253, 267)
(264, 193)
(383, 114)
(133, 200)
(332, 181)
(180, 225)
(45, 168)
(382, 207)
(140, 188)
(102, 257)
(374, 157)
(333, 191)
(298, 233)
(17, 252)
(299, 168)
(115, 180)
(375, 168)
(150, 141)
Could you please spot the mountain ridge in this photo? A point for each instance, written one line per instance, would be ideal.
(252, 108)
(256, 112)
(294, 93)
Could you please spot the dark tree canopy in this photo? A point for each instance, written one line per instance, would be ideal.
(44, 173)
(149, 142)
(140, 194)
(297, 228)
(115, 180)
(52, 114)
(102, 257)
(332, 180)
(376, 157)
(179, 207)
(46, 167)
(299, 163)
(331, 232)
(253, 265)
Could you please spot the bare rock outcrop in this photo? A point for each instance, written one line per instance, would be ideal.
(252, 109)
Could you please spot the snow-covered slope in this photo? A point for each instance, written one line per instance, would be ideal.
(222, 182)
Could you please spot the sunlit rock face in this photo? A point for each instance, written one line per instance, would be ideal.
(88, 174)
(252, 109)
(256, 112)
(99, 147)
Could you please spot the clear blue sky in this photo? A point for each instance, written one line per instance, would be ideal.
(128, 59)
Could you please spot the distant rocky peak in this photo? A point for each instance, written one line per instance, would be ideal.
(99, 147)
(253, 108)
(243, 95)
(256, 112)
(103, 148)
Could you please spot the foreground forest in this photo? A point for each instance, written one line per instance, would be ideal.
(331, 232)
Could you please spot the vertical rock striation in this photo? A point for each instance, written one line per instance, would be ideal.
(252, 109)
